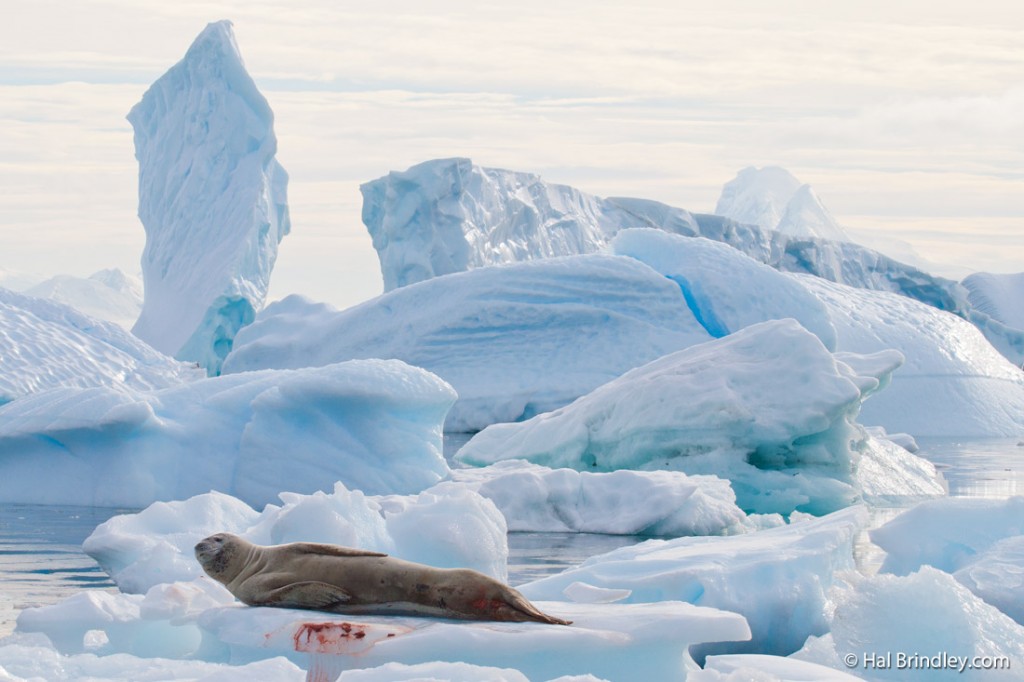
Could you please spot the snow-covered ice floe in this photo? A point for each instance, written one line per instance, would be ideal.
(45, 344)
(768, 408)
(513, 341)
(373, 424)
(212, 198)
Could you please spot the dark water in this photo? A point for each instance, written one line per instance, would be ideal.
(41, 561)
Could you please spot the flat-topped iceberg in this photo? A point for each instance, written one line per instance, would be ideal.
(212, 198)
(373, 424)
(513, 341)
(768, 408)
(45, 344)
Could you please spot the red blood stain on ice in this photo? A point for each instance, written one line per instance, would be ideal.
(328, 638)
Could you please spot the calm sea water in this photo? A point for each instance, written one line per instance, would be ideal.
(41, 561)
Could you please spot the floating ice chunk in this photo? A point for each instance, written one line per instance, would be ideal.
(211, 198)
(924, 626)
(726, 289)
(953, 383)
(997, 576)
(455, 528)
(432, 672)
(778, 578)
(373, 424)
(47, 344)
(768, 408)
(498, 335)
(534, 498)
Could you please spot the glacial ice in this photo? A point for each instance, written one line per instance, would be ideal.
(372, 424)
(212, 199)
(498, 335)
(768, 408)
(997, 309)
(109, 295)
(45, 344)
(773, 199)
(450, 215)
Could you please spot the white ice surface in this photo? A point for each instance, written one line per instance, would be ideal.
(764, 668)
(926, 614)
(998, 296)
(773, 199)
(45, 344)
(212, 199)
(373, 424)
(768, 408)
(513, 340)
(109, 295)
(979, 541)
(534, 498)
(953, 383)
(778, 578)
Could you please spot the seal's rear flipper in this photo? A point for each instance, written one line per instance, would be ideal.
(307, 595)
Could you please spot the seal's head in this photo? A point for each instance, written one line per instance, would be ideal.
(219, 555)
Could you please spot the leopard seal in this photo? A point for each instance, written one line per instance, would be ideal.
(320, 577)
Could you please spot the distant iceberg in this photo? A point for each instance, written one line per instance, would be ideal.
(451, 215)
(212, 198)
(110, 295)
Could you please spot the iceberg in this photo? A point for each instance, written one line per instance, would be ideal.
(212, 199)
(773, 199)
(451, 215)
(373, 424)
(513, 341)
(109, 295)
(954, 383)
(767, 407)
(778, 578)
(45, 344)
(997, 310)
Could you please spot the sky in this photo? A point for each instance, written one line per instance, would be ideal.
(905, 117)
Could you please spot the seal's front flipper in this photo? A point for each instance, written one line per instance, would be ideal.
(307, 595)
(330, 550)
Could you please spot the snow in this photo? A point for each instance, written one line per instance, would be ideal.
(773, 199)
(45, 344)
(497, 335)
(953, 383)
(777, 578)
(767, 407)
(763, 668)
(212, 199)
(109, 295)
(372, 424)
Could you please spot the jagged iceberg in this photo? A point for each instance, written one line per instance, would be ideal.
(450, 215)
(513, 341)
(373, 424)
(768, 408)
(212, 199)
(45, 344)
